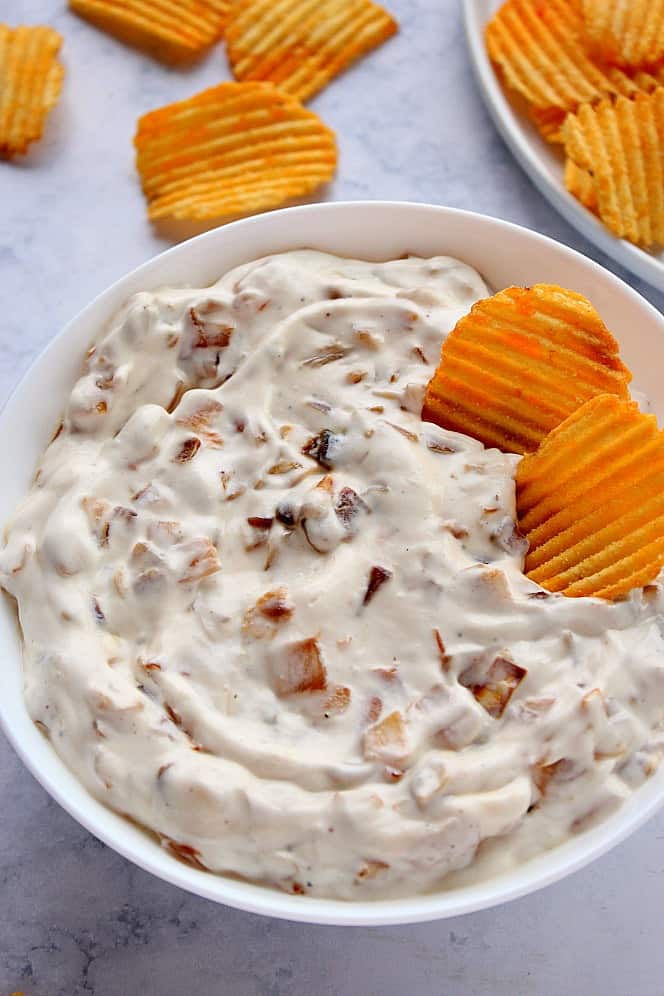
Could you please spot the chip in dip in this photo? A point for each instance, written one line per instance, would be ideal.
(282, 623)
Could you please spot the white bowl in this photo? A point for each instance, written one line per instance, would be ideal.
(504, 254)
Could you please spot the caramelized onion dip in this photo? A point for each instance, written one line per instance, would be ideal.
(276, 619)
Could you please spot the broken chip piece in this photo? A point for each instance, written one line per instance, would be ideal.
(171, 30)
(581, 544)
(621, 144)
(30, 83)
(236, 148)
(301, 46)
(519, 363)
(628, 32)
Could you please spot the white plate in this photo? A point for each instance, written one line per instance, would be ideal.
(504, 254)
(542, 161)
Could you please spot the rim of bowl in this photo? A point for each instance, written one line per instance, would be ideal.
(534, 874)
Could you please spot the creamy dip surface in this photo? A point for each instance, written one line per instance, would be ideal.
(273, 617)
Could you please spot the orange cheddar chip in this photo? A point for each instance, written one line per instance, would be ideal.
(519, 363)
(591, 501)
(234, 149)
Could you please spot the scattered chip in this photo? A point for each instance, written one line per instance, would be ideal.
(30, 83)
(171, 30)
(591, 501)
(622, 144)
(519, 363)
(581, 183)
(629, 32)
(299, 45)
(234, 149)
(541, 51)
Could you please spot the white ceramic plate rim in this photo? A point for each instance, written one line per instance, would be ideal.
(529, 150)
(279, 231)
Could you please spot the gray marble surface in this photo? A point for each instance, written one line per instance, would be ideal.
(74, 917)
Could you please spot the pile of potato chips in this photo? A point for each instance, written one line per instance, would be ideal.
(592, 72)
(536, 371)
(237, 147)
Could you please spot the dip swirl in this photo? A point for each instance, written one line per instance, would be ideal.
(279, 621)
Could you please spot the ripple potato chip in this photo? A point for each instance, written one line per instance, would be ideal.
(629, 32)
(622, 144)
(542, 53)
(591, 501)
(300, 45)
(234, 149)
(519, 363)
(171, 30)
(30, 83)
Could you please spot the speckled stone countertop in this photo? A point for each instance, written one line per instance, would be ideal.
(75, 918)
